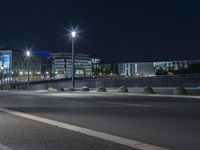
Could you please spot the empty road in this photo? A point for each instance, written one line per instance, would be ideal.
(81, 121)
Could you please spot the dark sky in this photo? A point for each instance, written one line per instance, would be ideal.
(114, 30)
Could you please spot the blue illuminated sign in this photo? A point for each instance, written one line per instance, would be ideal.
(6, 61)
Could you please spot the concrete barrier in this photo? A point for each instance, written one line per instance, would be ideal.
(50, 89)
(101, 89)
(148, 90)
(179, 91)
(85, 89)
(123, 89)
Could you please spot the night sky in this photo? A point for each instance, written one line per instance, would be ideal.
(113, 30)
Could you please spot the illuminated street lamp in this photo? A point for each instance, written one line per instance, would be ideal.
(28, 54)
(73, 35)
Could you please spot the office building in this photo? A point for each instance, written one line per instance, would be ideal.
(16, 61)
(62, 64)
(173, 65)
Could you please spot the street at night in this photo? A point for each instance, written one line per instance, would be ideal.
(100, 75)
(151, 122)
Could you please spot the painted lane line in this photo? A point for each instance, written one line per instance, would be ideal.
(97, 134)
(125, 104)
(3, 147)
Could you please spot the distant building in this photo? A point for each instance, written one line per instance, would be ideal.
(137, 69)
(144, 68)
(14, 61)
(173, 65)
(126, 69)
(62, 64)
(95, 63)
(46, 63)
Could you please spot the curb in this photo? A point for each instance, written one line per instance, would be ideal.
(108, 93)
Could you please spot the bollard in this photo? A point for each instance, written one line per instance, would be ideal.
(123, 89)
(179, 91)
(148, 90)
(85, 89)
(101, 89)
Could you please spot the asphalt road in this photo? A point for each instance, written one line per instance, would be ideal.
(171, 123)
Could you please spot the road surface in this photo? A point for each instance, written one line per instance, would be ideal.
(89, 121)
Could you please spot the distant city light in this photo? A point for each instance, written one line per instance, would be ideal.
(21, 73)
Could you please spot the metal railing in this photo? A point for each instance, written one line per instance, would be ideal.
(117, 81)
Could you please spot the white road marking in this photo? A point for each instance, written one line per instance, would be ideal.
(97, 134)
(125, 104)
(3, 147)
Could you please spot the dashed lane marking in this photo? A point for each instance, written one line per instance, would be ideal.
(125, 104)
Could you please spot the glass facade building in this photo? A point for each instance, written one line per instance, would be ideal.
(62, 64)
(146, 68)
(15, 62)
(173, 65)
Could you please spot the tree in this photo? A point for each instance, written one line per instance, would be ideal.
(194, 68)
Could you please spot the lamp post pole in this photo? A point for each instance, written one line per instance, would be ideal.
(73, 34)
(28, 67)
(28, 74)
(2, 77)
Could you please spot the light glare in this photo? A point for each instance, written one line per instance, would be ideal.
(28, 53)
(73, 34)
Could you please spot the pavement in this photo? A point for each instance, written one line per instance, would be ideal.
(87, 121)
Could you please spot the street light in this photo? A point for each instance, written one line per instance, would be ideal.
(2, 79)
(73, 35)
(28, 54)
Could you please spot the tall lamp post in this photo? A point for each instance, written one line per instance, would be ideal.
(73, 35)
(28, 54)
(2, 77)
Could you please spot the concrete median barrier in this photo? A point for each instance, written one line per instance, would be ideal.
(101, 89)
(50, 89)
(85, 89)
(179, 91)
(123, 89)
(148, 90)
